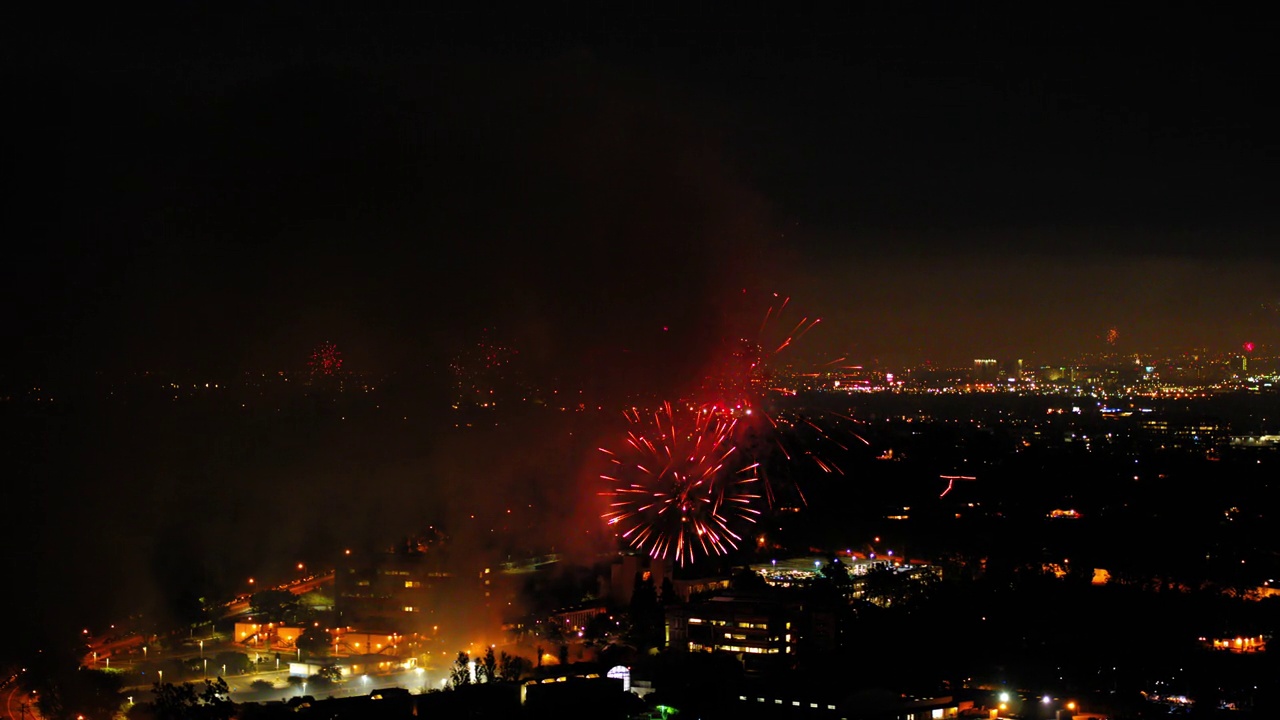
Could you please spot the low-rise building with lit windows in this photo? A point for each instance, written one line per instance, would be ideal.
(762, 631)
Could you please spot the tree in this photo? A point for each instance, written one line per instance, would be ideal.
(313, 641)
(600, 628)
(317, 682)
(512, 667)
(646, 616)
(748, 580)
(669, 595)
(70, 692)
(837, 573)
(273, 603)
(487, 669)
(460, 673)
(184, 702)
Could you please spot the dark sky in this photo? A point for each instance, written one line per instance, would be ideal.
(221, 191)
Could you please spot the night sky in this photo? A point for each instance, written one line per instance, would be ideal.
(217, 191)
(211, 192)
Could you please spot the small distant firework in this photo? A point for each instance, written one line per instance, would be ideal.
(1249, 346)
(1112, 336)
(325, 360)
(680, 484)
(487, 373)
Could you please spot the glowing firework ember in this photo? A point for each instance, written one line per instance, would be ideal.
(681, 484)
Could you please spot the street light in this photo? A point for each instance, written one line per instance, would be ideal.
(206, 667)
(201, 648)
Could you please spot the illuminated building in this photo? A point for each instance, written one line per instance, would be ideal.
(985, 371)
(806, 700)
(762, 632)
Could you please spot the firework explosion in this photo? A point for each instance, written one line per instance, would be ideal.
(749, 370)
(680, 483)
(752, 384)
(688, 479)
(325, 360)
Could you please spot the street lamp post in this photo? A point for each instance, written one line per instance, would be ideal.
(206, 667)
(201, 648)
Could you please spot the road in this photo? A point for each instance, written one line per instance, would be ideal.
(240, 605)
(242, 690)
(19, 704)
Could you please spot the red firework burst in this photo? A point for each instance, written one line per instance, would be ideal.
(680, 484)
(325, 360)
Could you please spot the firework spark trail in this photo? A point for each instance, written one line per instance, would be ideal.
(679, 490)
